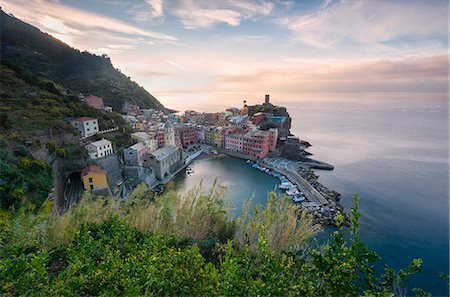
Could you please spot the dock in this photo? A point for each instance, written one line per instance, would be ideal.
(311, 194)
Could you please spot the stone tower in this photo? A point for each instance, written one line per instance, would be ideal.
(169, 134)
(267, 100)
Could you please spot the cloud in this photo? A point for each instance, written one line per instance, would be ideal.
(205, 14)
(156, 7)
(416, 74)
(150, 73)
(38, 11)
(176, 65)
(367, 22)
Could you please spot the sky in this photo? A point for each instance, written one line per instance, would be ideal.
(200, 53)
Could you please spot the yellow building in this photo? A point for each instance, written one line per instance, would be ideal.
(138, 126)
(218, 137)
(94, 177)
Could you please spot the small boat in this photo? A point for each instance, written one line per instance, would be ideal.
(298, 199)
(285, 186)
(293, 191)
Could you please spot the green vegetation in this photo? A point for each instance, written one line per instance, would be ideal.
(184, 245)
(24, 181)
(35, 109)
(49, 58)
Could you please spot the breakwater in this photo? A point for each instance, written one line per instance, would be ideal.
(324, 209)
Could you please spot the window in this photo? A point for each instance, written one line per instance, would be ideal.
(91, 187)
(90, 179)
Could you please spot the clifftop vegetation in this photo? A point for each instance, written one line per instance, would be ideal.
(172, 245)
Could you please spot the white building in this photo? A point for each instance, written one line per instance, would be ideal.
(99, 149)
(86, 126)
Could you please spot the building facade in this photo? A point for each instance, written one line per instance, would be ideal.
(149, 139)
(99, 149)
(134, 155)
(86, 126)
(165, 161)
(169, 134)
(94, 178)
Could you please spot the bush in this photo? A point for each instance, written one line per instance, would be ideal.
(107, 253)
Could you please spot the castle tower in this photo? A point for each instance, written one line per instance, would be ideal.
(169, 134)
(267, 100)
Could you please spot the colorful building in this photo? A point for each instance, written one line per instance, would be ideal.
(209, 135)
(273, 136)
(218, 136)
(94, 178)
(160, 138)
(149, 139)
(256, 144)
(258, 118)
(138, 126)
(187, 135)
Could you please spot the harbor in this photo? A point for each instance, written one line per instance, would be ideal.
(324, 211)
(250, 179)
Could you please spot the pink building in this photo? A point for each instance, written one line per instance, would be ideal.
(94, 101)
(258, 118)
(273, 136)
(234, 142)
(256, 144)
(160, 138)
(188, 135)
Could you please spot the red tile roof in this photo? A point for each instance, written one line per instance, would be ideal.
(92, 169)
(94, 101)
(82, 119)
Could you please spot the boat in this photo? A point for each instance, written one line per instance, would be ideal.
(285, 186)
(299, 198)
(293, 191)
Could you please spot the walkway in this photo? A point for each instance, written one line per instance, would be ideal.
(289, 168)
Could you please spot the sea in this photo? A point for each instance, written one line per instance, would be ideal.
(390, 148)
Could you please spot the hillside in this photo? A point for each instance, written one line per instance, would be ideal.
(81, 72)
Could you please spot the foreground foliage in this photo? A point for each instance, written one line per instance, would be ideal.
(151, 246)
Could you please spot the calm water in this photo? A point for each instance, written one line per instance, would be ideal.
(392, 149)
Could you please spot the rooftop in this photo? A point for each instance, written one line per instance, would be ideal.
(100, 142)
(142, 135)
(93, 97)
(164, 152)
(92, 169)
(83, 119)
(137, 146)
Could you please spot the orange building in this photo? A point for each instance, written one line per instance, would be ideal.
(94, 177)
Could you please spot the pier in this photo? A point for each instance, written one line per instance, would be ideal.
(311, 194)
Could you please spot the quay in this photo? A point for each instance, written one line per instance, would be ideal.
(311, 194)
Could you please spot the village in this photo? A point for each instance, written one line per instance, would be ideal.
(166, 143)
